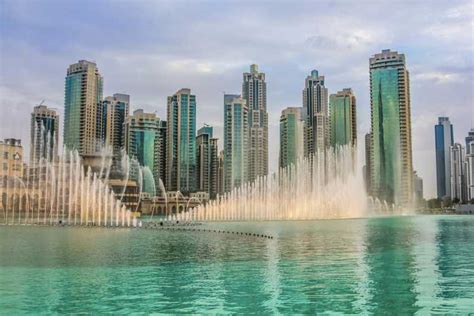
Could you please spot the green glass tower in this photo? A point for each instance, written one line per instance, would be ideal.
(181, 142)
(391, 151)
(342, 118)
(291, 136)
(83, 117)
(143, 140)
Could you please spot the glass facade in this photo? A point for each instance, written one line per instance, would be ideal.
(207, 161)
(235, 141)
(142, 144)
(444, 139)
(291, 136)
(44, 133)
(391, 153)
(342, 118)
(115, 111)
(181, 133)
(315, 107)
(386, 132)
(83, 114)
(72, 111)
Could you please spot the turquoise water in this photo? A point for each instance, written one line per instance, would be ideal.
(398, 265)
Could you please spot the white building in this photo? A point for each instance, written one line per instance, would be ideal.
(254, 92)
(470, 168)
(458, 172)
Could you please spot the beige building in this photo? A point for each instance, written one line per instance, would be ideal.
(11, 157)
(174, 203)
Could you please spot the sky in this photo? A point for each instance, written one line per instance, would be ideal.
(151, 49)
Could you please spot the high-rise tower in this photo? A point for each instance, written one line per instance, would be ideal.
(235, 141)
(44, 133)
(392, 166)
(142, 142)
(342, 118)
(458, 172)
(83, 117)
(181, 142)
(469, 139)
(207, 161)
(115, 110)
(444, 139)
(291, 136)
(254, 91)
(368, 162)
(470, 165)
(315, 110)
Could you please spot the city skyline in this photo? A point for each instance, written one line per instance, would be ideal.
(431, 83)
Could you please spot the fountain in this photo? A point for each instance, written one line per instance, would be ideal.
(326, 185)
(59, 191)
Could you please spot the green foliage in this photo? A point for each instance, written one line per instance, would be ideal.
(447, 202)
(434, 203)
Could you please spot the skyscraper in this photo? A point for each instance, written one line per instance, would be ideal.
(181, 142)
(220, 174)
(444, 139)
(470, 165)
(342, 118)
(44, 133)
(235, 141)
(418, 188)
(83, 117)
(115, 110)
(368, 163)
(142, 142)
(391, 151)
(458, 172)
(254, 91)
(207, 161)
(469, 138)
(315, 105)
(160, 151)
(291, 136)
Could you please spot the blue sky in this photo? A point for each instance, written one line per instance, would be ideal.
(150, 49)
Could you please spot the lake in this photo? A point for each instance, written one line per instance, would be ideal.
(401, 265)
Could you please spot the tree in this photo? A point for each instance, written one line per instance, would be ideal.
(447, 202)
(434, 203)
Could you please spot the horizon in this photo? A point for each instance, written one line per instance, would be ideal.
(439, 74)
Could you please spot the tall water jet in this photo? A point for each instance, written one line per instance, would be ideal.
(326, 185)
(62, 193)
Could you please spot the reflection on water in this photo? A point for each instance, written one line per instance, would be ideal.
(396, 265)
(389, 257)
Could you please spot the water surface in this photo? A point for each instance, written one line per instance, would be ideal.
(401, 265)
